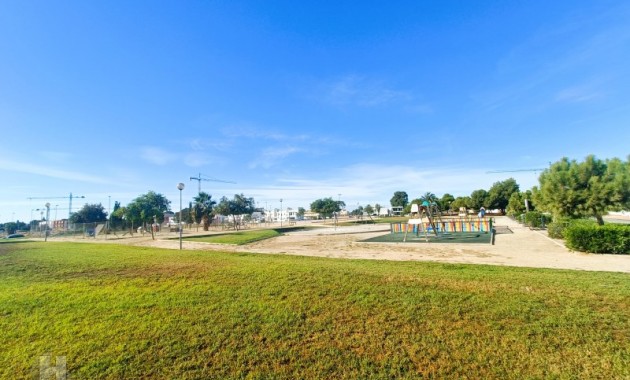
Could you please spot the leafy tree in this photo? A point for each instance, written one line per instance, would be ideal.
(369, 209)
(327, 206)
(147, 208)
(190, 215)
(588, 188)
(119, 217)
(500, 193)
(89, 213)
(13, 227)
(516, 204)
(196, 214)
(204, 205)
(445, 201)
(461, 202)
(400, 199)
(478, 199)
(377, 208)
(301, 211)
(115, 219)
(235, 208)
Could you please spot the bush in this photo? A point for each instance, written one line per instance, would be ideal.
(556, 228)
(589, 237)
(535, 219)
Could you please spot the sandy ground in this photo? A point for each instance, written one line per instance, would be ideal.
(515, 245)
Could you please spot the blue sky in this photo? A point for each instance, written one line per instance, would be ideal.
(302, 99)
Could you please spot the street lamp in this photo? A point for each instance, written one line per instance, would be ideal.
(280, 212)
(180, 187)
(47, 220)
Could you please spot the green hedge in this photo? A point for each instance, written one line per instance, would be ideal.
(589, 237)
(556, 228)
(536, 219)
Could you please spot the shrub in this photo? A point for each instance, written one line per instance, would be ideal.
(589, 237)
(537, 219)
(556, 228)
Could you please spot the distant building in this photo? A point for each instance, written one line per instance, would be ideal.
(169, 218)
(60, 224)
(384, 212)
(310, 215)
(397, 210)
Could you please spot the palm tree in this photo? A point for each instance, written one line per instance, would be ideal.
(429, 197)
(205, 204)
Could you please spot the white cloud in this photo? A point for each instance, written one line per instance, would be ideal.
(47, 171)
(197, 159)
(59, 157)
(365, 184)
(199, 144)
(577, 94)
(156, 155)
(419, 108)
(255, 133)
(272, 156)
(590, 47)
(358, 91)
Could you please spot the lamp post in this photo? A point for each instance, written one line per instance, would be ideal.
(180, 187)
(280, 212)
(47, 221)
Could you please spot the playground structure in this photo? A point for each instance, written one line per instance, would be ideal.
(427, 218)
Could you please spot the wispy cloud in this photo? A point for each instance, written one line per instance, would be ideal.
(199, 144)
(257, 133)
(419, 108)
(22, 167)
(590, 47)
(577, 94)
(157, 156)
(199, 159)
(273, 155)
(354, 90)
(364, 183)
(59, 157)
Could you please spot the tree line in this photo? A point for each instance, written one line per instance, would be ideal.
(497, 197)
(568, 188)
(149, 208)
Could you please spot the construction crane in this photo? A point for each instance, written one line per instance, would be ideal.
(199, 179)
(69, 203)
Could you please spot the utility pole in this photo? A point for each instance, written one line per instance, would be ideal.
(200, 178)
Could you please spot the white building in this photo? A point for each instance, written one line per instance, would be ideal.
(283, 215)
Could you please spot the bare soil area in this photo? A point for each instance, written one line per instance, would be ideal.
(515, 245)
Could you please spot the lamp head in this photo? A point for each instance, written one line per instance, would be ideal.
(180, 186)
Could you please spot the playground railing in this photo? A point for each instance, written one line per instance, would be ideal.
(457, 225)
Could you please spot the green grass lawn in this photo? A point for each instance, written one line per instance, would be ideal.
(126, 312)
(245, 236)
(238, 238)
